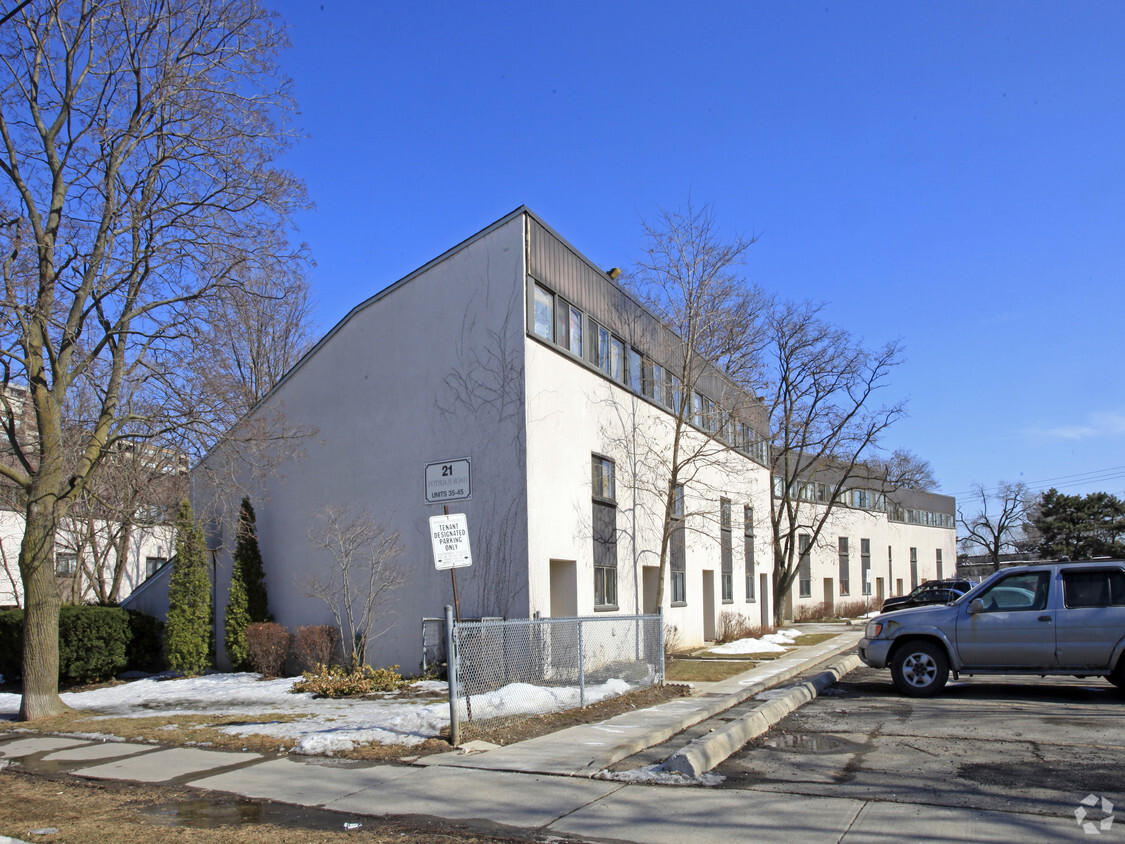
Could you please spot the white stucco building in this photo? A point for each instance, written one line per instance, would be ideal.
(514, 352)
(76, 560)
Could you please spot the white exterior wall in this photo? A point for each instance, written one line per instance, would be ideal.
(574, 412)
(429, 370)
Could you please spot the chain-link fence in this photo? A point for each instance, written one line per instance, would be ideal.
(506, 671)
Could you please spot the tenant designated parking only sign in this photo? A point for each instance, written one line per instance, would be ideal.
(450, 535)
(448, 480)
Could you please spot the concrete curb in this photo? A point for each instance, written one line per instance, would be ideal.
(706, 752)
(708, 708)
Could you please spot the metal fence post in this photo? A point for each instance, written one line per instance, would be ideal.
(451, 658)
(660, 642)
(581, 667)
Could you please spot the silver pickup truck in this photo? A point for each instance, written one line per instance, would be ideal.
(1048, 618)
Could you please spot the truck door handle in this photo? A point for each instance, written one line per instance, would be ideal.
(1044, 618)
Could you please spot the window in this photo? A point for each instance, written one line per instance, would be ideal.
(865, 564)
(651, 376)
(939, 564)
(726, 543)
(748, 535)
(913, 568)
(634, 371)
(677, 551)
(1085, 589)
(575, 332)
(66, 564)
(601, 476)
(603, 349)
(845, 566)
(1018, 592)
(616, 359)
(605, 532)
(804, 567)
(153, 565)
(544, 313)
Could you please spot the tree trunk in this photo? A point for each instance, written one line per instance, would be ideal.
(41, 618)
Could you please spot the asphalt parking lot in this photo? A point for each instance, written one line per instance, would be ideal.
(1014, 744)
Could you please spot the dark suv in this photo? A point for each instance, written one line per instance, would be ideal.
(1048, 618)
(930, 592)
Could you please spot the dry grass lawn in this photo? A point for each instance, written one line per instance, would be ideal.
(85, 813)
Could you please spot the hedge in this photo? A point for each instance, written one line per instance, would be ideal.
(95, 643)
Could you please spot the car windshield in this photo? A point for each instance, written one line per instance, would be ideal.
(966, 596)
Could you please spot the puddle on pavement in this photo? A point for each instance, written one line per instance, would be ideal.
(201, 813)
(809, 744)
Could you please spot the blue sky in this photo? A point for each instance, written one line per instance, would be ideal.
(950, 174)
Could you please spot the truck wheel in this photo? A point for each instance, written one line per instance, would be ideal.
(1118, 675)
(920, 669)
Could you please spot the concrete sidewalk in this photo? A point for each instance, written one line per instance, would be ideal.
(521, 786)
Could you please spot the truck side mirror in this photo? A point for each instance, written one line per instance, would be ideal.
(976, 605)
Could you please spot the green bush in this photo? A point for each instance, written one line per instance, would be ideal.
(146, 646)
(188, 633)
(92, 643)
(95, 643)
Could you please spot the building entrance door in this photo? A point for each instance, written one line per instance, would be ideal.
(564, 588)
(709, 605)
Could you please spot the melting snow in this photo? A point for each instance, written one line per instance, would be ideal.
(319, 726)
(771, 643)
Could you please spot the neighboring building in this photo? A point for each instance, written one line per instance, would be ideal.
(514, 352)
(84, 550)
(137, 480)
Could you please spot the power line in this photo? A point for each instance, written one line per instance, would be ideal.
(1098, 476)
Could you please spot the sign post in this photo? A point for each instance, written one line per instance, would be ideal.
(449, 534)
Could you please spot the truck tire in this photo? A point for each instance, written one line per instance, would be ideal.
(920, 669)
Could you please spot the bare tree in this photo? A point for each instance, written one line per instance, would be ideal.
(137, 149)
(820, 389)
(707, 340)
(998, 523)
(365, 571)
(135, 491)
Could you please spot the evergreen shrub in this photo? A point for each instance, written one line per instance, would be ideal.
(95, 643)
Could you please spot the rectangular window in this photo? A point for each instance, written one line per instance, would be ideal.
(635, 369)
(66, 564)
(890, 566)
(575, 333)
(865, 564)
(677, 550)
(939, 564)
(804, 566)
(544, 313)
(1084, 589)
(153, 565)
(748, 536)
(726, 542)
(605, 531)
(603, 350)
(845, 566)
(562, 323)
(616, 360)
(913, 568)
(697, 410)
(650, 378)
